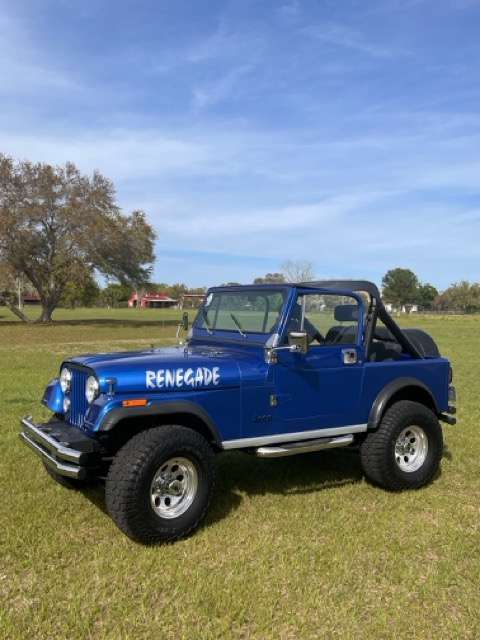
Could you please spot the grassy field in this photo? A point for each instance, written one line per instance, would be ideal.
(295, 548)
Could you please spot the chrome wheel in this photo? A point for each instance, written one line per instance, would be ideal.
(411, 449)
(174, 487)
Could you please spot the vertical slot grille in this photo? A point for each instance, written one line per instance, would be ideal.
(78, 401)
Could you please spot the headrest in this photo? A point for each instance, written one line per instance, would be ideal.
(346, 313)
(382, 333)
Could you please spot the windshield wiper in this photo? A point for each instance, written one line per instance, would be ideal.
(207, 322)
(239, 326)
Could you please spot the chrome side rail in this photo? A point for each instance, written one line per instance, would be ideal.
(282, 438)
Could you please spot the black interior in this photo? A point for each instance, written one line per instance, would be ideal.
(384, 345)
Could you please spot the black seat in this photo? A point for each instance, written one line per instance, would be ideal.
(341, 335)
(382, 351)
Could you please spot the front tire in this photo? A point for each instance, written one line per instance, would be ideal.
(160, 484)
(406, 450)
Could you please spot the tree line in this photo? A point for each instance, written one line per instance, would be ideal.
(403, 289)
(400, 287)
(62, 231)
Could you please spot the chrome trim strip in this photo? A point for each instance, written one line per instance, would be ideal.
(68, 470)
(60, 451)
(280, 438)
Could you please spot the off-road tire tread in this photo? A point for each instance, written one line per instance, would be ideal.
(375, 451)
(122, 483)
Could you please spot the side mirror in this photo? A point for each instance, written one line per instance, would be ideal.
(185, 321)
(298, 341)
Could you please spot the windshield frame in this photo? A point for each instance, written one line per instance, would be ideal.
(199, 324)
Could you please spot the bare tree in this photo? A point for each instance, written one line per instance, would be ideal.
(298, 271)
(270, 278)
(57, 226)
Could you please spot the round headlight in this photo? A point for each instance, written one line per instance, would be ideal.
(91, 389)
(65, 379)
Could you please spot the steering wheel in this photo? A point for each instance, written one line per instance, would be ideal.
(312, 332)
(310, 329)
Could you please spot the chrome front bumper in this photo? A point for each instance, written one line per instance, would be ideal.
(65, 449)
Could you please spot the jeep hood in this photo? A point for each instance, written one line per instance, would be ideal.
(170, 369)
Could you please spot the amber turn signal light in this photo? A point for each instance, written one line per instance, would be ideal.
(137, 402)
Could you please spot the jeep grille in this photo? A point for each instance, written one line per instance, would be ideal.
(78, 401)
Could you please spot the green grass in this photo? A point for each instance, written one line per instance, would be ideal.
(301, 547)
(98, 314)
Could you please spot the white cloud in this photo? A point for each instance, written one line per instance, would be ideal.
(226, 46)
(289, 162)
(221, 89)
(341, 35)
(289, 11)
(24, 68)
(363, 203)
(120, 154)
(297, 218)
(225, 42)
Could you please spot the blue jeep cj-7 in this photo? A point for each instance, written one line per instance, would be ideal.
(273, 370)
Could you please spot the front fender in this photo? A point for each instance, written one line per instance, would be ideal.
(108, 412)
(53, 396)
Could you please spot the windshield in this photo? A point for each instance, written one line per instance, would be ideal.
(252, 311)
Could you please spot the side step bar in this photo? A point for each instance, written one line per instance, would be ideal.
(448, 419)
(293, 448)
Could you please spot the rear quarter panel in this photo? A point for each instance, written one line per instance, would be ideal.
(432, 372)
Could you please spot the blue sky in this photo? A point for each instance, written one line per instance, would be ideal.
(343, 133)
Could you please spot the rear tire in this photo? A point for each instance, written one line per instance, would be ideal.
(406, 450)
(160, 484)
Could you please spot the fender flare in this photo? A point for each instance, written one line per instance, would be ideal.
(382, 399)
(183, 406)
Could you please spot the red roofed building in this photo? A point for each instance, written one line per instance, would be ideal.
(152, 301)
(31, 297)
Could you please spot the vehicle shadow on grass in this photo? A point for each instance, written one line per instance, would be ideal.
(293, 474)
(239, 473)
